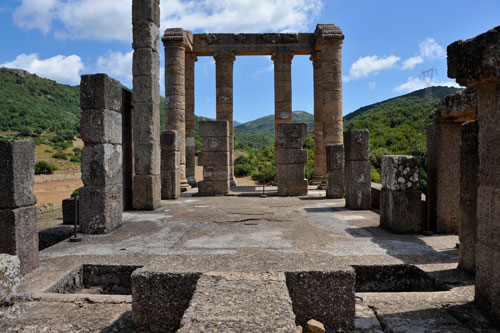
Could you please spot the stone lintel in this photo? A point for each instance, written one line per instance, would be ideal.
(209, 44)
(176, 35)
(475, 59)
(458, 108)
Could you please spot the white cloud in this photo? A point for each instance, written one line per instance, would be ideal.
(111, 20)
(256, 75)
(415, 83)
(365, 66)
(429, 48)
(116, 64)
(372, 85)
(410, 63)
(63, 69)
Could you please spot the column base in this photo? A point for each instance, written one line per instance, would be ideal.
(192, 181)
(232, 182)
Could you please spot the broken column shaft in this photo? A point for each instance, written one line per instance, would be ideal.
(291, 159)
(357, 169)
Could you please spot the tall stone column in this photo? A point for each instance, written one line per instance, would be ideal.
(224, 62)
(320, 172)
(146, 96)
(282, 88)
(175, 42)
(190, 130)
(329, 39)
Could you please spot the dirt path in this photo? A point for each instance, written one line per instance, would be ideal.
(52, 189)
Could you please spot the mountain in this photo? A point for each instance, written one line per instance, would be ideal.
(265, 125)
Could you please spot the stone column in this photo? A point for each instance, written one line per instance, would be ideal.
(175, 41)
(215, 157)
(282, 89)
(357, 169)
(475, 63)
(335, 187)
(329, 40)
(101, 197)
(18, 223)
(128, 149)
(170, 161)
(190, 129)
(469, 167)
(320, 168)
(146, 95)
(291, 159)
(224, 62)
(400, 199)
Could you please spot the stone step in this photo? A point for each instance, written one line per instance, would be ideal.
(240, 302)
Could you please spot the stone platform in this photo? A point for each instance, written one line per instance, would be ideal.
(246, 236)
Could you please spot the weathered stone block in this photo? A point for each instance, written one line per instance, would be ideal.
(335, 157)
(170, 184)
(400, 172)
(292, 187)
(214, 128)
(291, 156)
(99, 92)
(357, 145)
(487, 279)
(213, 158)
(170, 160)
(102, 164)
(208, 187)
(289, 143)
(160, 299)
(216, 173)
(146, 62)
(101, 208)
(68, 208)
(476, 58)
(101, 126)
(146, 10)
(146, 35)
(292, 130)
(19, 236)
(458, 107)
(17, 176)
(328, 297)
(147, 158)
(400, 211)
(146, 89)
(146, 119)
(335, 184)
(488, 211)
(215, 143)
(357, 183)
(147, 192)
(51, 236)
(10, 277)
(170, 140)
(291, 171)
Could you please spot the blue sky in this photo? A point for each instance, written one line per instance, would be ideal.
(387, 43)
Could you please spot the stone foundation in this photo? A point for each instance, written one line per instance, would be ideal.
(357, 169)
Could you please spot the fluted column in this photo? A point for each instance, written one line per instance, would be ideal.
(190, 131)
(175, 92)
(319, 144)
(224, 62)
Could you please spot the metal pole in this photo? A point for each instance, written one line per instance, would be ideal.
(75, 238)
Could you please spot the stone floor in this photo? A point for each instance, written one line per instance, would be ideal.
(249, 234)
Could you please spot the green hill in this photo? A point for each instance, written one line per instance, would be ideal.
(265, 125)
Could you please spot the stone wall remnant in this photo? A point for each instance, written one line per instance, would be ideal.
(101, 197)
(10, 277)
(400, 199)
(170, 172)
(475, 63)
(291, 159)
(146, 96)
(335, 187)
(215, 157)
(18, 220)
(357, 169)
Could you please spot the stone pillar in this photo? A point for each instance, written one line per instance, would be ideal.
(282, 89)
(329, 40)
(224, 86)
(400, 199)
(190, 129)
(357, 169)
(320, 168)
(469, 167)
(176, 44)
(18, 223)
(128, 149)
(291, 159)
(170, 161)
(101, 197)
(146, 95)
(214, 157)
(335, 188)
(475, 63)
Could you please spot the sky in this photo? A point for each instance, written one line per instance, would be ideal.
(388, 43)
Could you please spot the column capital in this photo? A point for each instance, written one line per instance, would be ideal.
(178, 36)
(282, 56)
(328, 34)
(224, 56)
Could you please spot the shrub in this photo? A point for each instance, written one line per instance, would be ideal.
(60, 156)
(77, 150)
(244, 166)
(75, 193)
(375, 175)
(43, 167)
(25, 131)
(75, 159)
(57, 138)
(49, 151)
